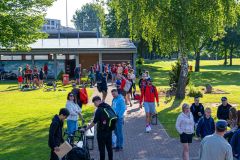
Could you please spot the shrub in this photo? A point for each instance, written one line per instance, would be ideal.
(174, 75)
(60, 75)
(194, 92)
(140, 61)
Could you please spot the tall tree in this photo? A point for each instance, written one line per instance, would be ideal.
(90, 17)
(21, 22)
(177, 24)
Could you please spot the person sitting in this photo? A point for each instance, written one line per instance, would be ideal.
(206, 125)
(235, 141)
(197, 110)
(223, 109)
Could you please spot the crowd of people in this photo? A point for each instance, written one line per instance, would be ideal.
(31, 77)
(217, 141)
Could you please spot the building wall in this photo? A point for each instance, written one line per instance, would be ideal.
(87, 60)
(117, 58)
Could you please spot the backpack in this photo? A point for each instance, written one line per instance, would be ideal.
(127, 86)
(83, 96)
(110, 115)
(78, 153)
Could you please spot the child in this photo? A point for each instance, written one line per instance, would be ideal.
(206, 125)
(20, 77)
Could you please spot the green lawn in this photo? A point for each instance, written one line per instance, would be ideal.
(25, 120)
(221, 77)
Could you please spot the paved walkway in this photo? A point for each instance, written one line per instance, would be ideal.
(156, 145)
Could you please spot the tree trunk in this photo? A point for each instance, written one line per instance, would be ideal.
(197, 62)
(180, 94)
(231, 56)
(225, 57)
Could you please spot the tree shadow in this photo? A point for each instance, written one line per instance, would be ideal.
(221, 67)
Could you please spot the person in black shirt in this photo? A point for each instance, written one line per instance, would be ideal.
(55, 132)
(223, 109)
(104, 134)
(197, 110)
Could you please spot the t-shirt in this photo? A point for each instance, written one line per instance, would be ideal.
(215, 147)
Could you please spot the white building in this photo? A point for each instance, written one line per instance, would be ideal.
(52, 24)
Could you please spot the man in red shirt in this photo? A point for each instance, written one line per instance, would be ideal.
(148, 96)
(114, 73)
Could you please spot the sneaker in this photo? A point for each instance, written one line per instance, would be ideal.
(148, 129)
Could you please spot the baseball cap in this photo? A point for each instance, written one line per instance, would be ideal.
(149, 79)
(224, 98)
(221, 124)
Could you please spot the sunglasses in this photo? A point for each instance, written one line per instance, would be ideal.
(71, 95)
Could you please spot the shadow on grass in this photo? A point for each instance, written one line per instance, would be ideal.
(168, 118)
(221, 67)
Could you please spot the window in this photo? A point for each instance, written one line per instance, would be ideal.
(28, 57)
(5, 57)
(41, 57)
(48, 27)
(48, 22)
(61, 57)
(17, 57)
(53, 23)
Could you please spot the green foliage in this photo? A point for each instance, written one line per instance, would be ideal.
(140, 61)
(21, 21)
(174, 75)
(194, 92)
(60, 75)
(89, 18)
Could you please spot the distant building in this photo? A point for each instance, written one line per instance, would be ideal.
(51, 24)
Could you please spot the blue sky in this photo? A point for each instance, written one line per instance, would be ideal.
(58, 10)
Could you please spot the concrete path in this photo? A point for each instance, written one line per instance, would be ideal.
(156, 145)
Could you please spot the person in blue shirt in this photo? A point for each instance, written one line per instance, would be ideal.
(206, 125)
(235, 141)
(119, 106)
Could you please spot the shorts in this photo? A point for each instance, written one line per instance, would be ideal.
(20, 79)
(149, 107)
(186, 138)
(124, 93)
(114, 76)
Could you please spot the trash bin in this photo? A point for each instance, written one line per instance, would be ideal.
(65, 79)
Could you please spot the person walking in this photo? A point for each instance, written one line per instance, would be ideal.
(119, 107)
(185, 128)
(75, 113)
(206, 125)
(148, 96)
(104, 133)
(235, 141)
(102, 86)
(223, 109)
(55, 138)
(114, 73)
(45, 69)
(77, 74)
(215, 146)
(197, 110)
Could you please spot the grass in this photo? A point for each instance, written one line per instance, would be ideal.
(25, 120)
(213, 72)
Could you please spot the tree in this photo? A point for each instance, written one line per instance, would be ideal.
(177, 25)
(21, 22)
(90, 18)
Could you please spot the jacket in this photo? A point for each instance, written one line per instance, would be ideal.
(119, 106)
(185, 124)
(55, 133)
(235, 143)
(205, 127)
(149, 94)
(223, 112)
(195, 109)
(74, 110)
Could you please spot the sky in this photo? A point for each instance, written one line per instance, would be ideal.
(58, 10)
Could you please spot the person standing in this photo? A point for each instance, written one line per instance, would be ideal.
(223, 109)
(45, 69)
(197, 110)
(143, 81)
(215, 146)
(104, 133)
(55, 132)
(75, 112)
(76, 93)
(148, 96)
(185, 128)
(41, 75)
(235, 141)
(102, 86)
(114, 73)
(119, 107)
(77, 74)
(206, 125)
(232, 123)
(133, 78)
(20, 77)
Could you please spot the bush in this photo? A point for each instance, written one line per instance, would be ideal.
(60, 75)
(194, 92)
(140, 61)
(174, 75)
